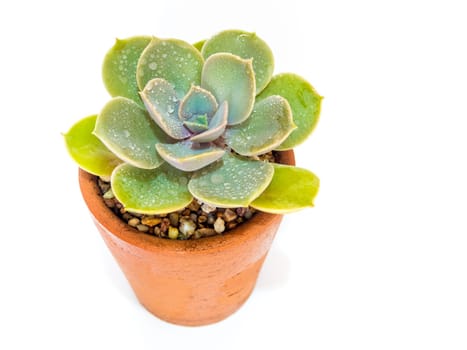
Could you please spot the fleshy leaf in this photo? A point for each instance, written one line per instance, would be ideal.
(128, 131)
(185, 156)
(199, 44)
(291, 189)
(304, 101)
(197, 101)
(119, 67)
(231, 182)
(151, 191)
(216, 125)
(231, 78)
(246, 45)
(268, 126)
(87, 150)
(197, 123)
(173, 60)
(162, 103)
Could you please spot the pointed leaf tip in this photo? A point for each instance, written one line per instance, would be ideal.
(119, 67)
(248, 46)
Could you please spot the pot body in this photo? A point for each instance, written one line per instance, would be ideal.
(192, 282)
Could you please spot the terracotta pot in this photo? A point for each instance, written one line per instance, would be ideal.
(192, 282)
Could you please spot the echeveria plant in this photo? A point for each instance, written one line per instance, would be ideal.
(191, 120)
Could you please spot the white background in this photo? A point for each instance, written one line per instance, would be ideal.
(379, 263)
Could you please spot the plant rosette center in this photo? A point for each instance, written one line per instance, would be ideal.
(191, 123)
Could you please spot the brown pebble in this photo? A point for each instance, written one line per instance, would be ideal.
(211, 219)
(248, 214)
(110, 203)
(194, 217)
(165, 225)
(157, 231)
(134, 222)
(229, 215)
(173, 218)
(240, 211)
(127, 216)
(204, 232)
(186, 212)
(142, 228)
(151, 221)
(202, 219)
(194, 205)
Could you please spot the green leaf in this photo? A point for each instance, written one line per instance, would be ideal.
(248, 46)
(128, 131)
(119, 67)
(156, 191)
(216, 125)
(87, 150)
(199, 44)
(197, 101)
(197, 124)
(231, 78)
(185, 156)
(231, 182)
(162, 103)
(304, 102)
(173, 60)
(268, 126)
(291, 189)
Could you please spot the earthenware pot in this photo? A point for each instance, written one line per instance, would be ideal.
(191, 282)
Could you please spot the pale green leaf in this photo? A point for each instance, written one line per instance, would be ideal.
(119, 67)
(187, 157)
(197, 101)
(304, 101)
(291, 189)
(231, 78)
(128, 131)
(216, 125)
(87, 150)
(248, 46)
(173, 60)
(267, 127)
(151, 191)
(231, 182)
(162, 103)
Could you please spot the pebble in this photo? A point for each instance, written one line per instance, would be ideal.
(187, 227)
(134, 222)
(208, 208)
(219, 225)
(173, 232)
(205, 232)
(194, 205)
(229, 215)
(151, 221)
(174, 217)
(142, 228)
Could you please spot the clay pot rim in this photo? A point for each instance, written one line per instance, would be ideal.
(105, 217)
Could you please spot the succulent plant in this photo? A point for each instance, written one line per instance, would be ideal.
(191, 120)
